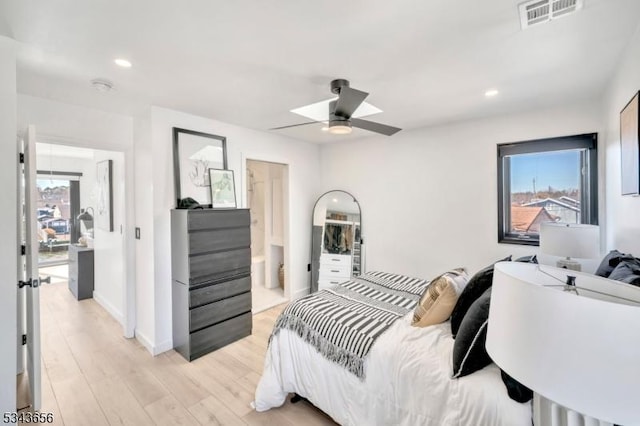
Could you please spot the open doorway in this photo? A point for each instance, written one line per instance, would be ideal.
(265, 192)
(88, 261)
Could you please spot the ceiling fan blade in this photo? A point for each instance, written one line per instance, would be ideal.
(374, 127)
(349, 101)
(295, 125)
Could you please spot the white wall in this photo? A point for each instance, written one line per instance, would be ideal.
(429, 196)
(8, 216)
(622, 213)
(242, 144)
(144, 247)
(74, 125)
(109, 280)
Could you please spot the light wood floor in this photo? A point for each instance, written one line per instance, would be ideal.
(93, 376)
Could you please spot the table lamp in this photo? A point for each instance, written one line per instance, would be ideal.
(570, 240)
(86, 219)
(578, 350)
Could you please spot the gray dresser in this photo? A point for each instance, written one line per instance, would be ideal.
(81, 272)
(211, 279)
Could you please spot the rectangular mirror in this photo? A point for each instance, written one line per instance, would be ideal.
(194, 153)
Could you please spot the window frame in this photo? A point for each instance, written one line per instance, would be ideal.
(588, 184)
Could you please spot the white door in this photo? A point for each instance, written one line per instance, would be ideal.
(29, 264)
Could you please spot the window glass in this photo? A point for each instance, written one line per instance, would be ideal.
(550, 180)
(54, 219)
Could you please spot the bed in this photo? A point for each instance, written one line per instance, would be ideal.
(405, 376)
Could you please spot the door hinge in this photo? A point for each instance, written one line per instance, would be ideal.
(21, 158)
(30, 283)
(23, 250)
(24, 339)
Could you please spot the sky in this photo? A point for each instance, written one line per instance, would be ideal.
(51, 183)
(559, 169)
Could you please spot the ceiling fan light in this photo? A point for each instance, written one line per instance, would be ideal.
(339, 127)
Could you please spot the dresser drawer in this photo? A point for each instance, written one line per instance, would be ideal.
(335, 259)
(219, 239)
(218, 291)
(219, 311)
(211, 266)
(219, 335)
(208, 219)
(326, 283)
(335, 271)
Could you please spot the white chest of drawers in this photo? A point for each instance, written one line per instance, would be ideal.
(334, 269)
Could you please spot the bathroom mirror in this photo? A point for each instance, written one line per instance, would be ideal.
(336, 240)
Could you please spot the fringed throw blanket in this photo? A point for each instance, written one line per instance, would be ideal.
(343, 322)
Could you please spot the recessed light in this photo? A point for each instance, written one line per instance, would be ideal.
(491, 93)
(123, 63)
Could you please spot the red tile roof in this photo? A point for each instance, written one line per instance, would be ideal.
(523, 217)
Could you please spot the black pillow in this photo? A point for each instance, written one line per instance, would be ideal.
(627, 271)
(188, 203)
(516, 390)
(469, 352)
(609, 263)
(477, 285)
(528, 259)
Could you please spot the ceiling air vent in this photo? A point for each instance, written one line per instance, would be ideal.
(540, 11)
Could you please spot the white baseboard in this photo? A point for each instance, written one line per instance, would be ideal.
(300, 293)
(153, 349)
(144, 340)
(163, 347)
(115, 313)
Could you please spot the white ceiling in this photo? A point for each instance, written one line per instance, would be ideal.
(55, 150)
(250, 62)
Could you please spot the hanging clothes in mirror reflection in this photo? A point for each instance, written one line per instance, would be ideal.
(338, 238)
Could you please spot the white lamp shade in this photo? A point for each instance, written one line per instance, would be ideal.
(576, 350)
(570, 240)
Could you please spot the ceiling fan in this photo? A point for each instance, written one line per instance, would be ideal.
(341, 118)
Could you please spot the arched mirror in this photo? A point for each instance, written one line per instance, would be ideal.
(336, 240)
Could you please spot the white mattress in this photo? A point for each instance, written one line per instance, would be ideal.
(407, 382)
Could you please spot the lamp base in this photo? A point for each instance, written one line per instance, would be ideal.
(569, 264)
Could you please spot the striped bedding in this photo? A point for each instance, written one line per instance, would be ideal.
(343, 322)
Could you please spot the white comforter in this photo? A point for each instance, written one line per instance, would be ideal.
(407, 382)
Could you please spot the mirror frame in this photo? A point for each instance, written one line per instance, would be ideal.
(313, 287)
(202, 198)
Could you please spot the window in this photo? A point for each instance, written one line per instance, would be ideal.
(546, 180)
(58, 204)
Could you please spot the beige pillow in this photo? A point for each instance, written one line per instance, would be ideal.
(439, 298)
